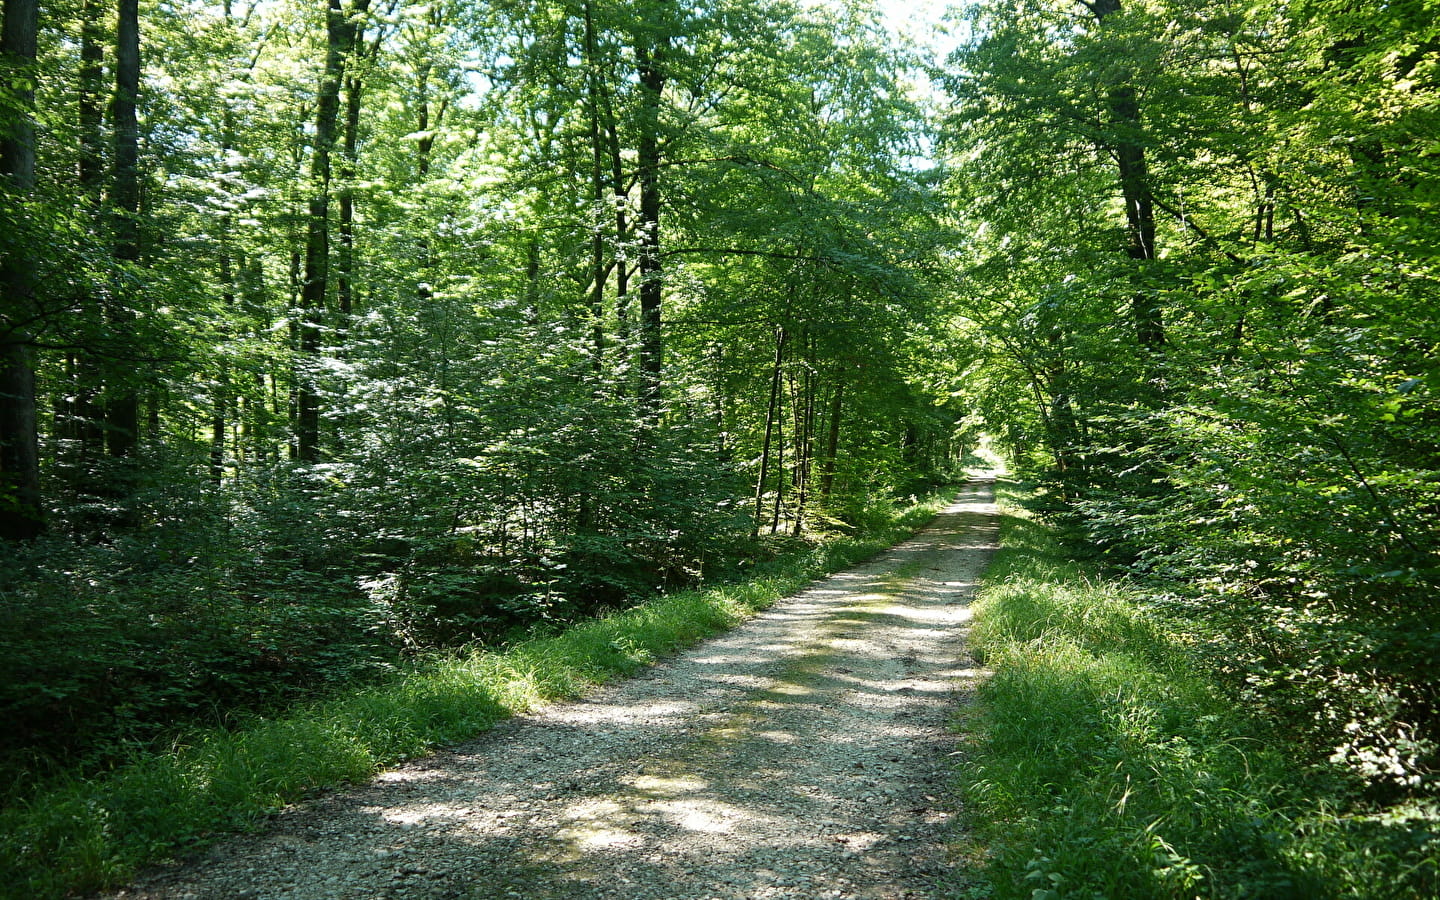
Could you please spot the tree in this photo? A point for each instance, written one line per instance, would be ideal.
(1127, 144)
(1275, 451)
(342, 33)
(429, 323)
(122, 402)
(21, 515)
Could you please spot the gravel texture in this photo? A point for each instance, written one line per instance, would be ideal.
(804, 754)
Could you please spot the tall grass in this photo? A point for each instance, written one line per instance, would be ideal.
(1101, 762)
(83, 834)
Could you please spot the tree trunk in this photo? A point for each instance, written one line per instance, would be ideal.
(122, 399)
(220, 391)
(651, 65)
(85, 417)
(832, 440)
(1128, 145)
(620, 193)
(779, 463)
(770, 416)
(221, 401)
(425, 126)
(622, 227)
(804, 428)
(341, 34)
(598, 269)
(346, 263)
(20, 500)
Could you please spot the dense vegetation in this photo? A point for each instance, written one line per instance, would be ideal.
(1106, 759)
(1206, 245)
(332, 335)
(82, 833)
(377, 329)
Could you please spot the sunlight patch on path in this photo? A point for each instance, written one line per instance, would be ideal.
(802, 755)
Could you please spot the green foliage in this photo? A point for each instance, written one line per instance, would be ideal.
(1103, 760)
(1271, 466)
(474, 432)
(73, 833)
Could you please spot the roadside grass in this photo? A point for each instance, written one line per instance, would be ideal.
(1101, 762)
(76, 835)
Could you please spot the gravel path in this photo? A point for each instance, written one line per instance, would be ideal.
(802, 755)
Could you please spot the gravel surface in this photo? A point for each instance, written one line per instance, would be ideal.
(802, 755)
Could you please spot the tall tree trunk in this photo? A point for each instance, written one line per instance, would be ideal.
(832, 439)
(619, 188)
(651, 57)
(599, 272)
(346, 261)
(292, 388)
(85, 418)
(770, 417)
(341, 32)
(804, 403)
(1061, 424)
(779, 463)
(426, 123)
(122, 397)
(1127, 142)
(20, 501)
(426, 126)
(622, 227)
(221, 391)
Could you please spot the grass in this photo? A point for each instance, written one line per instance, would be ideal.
(1102, 762)
(84, 834)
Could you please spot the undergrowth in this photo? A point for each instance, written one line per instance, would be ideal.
(1103, 761)
(77, 834)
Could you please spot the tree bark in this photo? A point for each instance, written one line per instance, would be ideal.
(599, 271)
(832, 440)
(1127, 143)
(122, 399)
(341, 34)
(770, 416)
(651, 67)
(345, 270)
(425, 125)
(83, 414)
(804, 403)
(21, 517)
(779, 462)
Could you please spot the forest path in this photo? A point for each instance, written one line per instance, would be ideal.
(801, 755)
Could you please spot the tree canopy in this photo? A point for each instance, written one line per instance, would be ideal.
(336, 332)
(1204, 259)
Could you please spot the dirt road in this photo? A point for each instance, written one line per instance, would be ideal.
(802, 755)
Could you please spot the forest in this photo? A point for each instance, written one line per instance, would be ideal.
(338, 334)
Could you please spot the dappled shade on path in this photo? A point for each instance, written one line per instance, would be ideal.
(801, 755)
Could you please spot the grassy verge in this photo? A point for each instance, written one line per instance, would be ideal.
(1102, 763)
(78, 835)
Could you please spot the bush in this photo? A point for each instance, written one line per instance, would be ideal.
(1104, 759)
